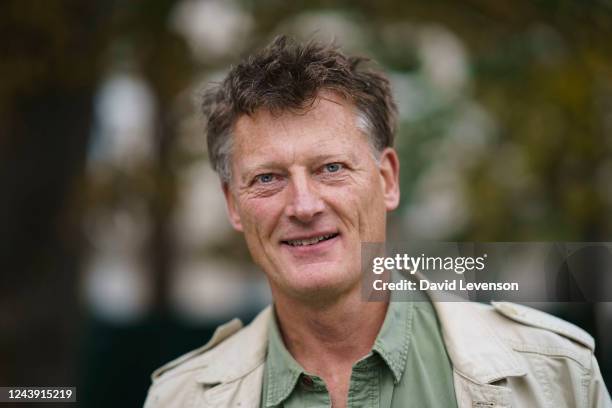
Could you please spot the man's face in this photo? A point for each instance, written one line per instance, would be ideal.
(306, 191)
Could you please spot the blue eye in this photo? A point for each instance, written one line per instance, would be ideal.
(333, 167)
(265, 178)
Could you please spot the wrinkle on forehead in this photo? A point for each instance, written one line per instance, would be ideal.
(309, 112)
(339, 119)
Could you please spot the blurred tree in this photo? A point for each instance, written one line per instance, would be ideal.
(49, 67)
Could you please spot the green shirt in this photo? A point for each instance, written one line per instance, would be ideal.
(407, 367)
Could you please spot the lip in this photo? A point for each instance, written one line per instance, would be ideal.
(310, 235)
(315, 249)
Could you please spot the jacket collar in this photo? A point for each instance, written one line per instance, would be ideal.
(474, 348)
(240, 354)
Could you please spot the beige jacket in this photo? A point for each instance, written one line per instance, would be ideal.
(504, 355)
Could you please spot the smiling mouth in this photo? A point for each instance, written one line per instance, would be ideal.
(310, 241)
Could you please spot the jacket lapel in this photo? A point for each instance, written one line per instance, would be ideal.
(235, 376)
(479, 356)
(474, 348)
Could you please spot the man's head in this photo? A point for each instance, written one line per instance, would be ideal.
(301, 137)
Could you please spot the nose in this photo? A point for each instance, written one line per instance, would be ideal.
(305, 202)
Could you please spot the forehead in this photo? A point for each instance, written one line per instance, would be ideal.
(329, 121)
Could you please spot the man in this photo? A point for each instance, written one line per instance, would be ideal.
(301, 136)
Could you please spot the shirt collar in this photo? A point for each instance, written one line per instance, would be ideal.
(391, 344)
(394, 337)
(282, 369)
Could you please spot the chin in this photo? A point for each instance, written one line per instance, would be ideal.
(320, 280)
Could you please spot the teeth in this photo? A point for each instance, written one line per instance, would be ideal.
(310, 241)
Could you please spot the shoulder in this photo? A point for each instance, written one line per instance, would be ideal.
(529, 330)
(538, 319)
(198, 357)
(232, 352)
(510, 333)
(174, 383)
(536, 354)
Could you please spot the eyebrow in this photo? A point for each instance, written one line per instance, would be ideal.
(339, 156)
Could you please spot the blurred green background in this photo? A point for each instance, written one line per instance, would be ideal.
(115, 254)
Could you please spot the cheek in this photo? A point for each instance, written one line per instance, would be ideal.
(363, 204)
(369, 194)
(260, 215)
(351, 204)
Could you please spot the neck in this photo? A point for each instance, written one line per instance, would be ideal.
(325, 338)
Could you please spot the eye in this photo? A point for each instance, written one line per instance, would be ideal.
(333, 167)
(264, 178)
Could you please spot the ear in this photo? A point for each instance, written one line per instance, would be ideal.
(389, 174)
(232, 210)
